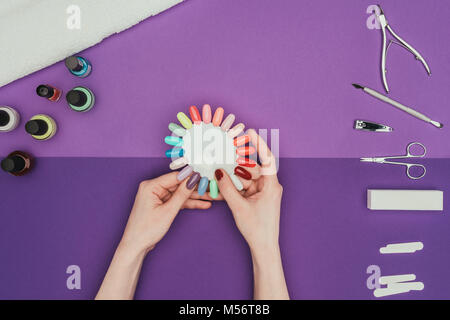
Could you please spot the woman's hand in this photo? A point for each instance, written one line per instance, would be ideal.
(256, 212)
(157, 203)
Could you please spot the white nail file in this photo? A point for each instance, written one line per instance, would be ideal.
(422, 200)
(397, 278)
(406, 247)
(398, 288)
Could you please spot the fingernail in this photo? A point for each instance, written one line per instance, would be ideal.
(218, 115)
(195, 114)
(213, 190)
(241, 172)
(183, 174)
(226, 124)
(218, 174)
(193, 180)
(237, 183)
(202, 185)
(246, 162)
(206, 113)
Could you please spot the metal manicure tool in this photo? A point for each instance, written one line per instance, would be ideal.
(409, 154)
(385, 25)
(371, 126)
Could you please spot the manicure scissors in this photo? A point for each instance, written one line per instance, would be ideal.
(385, 25)
(409, 154)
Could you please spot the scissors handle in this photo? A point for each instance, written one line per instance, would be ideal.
(412, 165)
(422, 154)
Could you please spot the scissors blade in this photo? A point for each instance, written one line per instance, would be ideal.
(378, 160)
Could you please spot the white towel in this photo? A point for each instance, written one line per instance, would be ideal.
(37, 33)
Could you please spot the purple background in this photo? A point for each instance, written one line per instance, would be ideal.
(76, 208)
(284, 65)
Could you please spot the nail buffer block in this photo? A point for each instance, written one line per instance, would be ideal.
(422, 200)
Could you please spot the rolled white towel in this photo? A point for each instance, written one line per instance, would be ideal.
(36, 34)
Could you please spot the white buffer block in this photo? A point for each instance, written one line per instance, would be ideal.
(423, 200)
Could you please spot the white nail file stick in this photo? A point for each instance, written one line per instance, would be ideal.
(407, 247)
(421, 200)
(398, 288)
(397, 278)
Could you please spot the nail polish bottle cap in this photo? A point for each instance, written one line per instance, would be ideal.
(4, 118)
(76, 98)
(45, 91)
(36, 127)
(72, 63)
(13, 164)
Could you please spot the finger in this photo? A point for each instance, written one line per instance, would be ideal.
(168, 181)
(228, 190)
(179, 197)
(251, 190)
(206, 196)
(196, 204)
(268, 162)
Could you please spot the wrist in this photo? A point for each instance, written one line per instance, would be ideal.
(266, 252)
(131, 252)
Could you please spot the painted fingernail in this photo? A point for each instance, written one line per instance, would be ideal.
(173, 141)
(240, 141)
(183, 174)
(237, 183)
(193, 180)
(178, 163)
(226, 124)
(241, 172)
(245, 151)
(195, 114)
(202, 185)
(218, 174)
(213, 189)
(246, 162)
(174, 153)
(184, 120)
(218, 115)
(206, 112)
(176, 129)
(236, 130)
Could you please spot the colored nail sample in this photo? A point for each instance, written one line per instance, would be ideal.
(184, 120)
(183, 174)
(228, 122)
(202, 185)
(176, 129)
(241, 172)
(236, 130)
(237, 183)
(218, 115)
(246, 162)
(78, 66)
(242, 140)
(41, 127)
(173, 141)
(80, 99)
(213, 189)
(17, 163)
(49, 92)
(195, 114)
(219, 174)
(206, 113)
(9, 119)
(178, 163)
(193, 180)
(245, 151)
(174, 153)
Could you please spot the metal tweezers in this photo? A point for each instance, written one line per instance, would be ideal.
(384, 24)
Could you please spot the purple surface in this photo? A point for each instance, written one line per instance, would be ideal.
(76, 208)
(287, 66)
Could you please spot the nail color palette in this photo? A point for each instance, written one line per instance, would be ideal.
(205, 142)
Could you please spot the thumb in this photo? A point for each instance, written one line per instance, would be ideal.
(228, 190)
(180, 196)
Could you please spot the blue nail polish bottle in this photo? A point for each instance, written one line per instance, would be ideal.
(78, 66)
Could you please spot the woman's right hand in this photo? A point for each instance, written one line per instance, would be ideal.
(257, 210)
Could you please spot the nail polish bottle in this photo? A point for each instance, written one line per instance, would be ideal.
(17, 163)
(9, 119)
(80, 99)
(78, 66)
(49, 92)
(41, 127)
